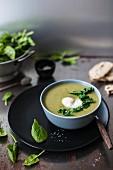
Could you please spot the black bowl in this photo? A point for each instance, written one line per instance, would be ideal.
(45, 68)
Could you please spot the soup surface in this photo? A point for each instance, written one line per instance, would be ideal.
(53, 98)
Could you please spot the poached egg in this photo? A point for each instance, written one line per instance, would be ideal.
(69, 102)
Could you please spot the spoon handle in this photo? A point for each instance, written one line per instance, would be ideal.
(104, 134)
(9, 86)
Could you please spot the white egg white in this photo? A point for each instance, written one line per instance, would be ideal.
(69, 102)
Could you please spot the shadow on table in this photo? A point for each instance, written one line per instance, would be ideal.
(45, 81)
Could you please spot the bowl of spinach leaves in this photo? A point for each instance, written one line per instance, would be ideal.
(14, 48)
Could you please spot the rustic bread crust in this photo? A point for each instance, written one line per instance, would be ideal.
(109, 89)
(99, 70)
(108, 77)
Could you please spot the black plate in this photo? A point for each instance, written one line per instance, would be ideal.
(27, 106)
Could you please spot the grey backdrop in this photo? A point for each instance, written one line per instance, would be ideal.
(63, 24)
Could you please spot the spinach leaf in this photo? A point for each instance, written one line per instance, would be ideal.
(86, 105)
(32, 159)
(68, 112)
(65, 112)
(38, 132)
(12, 149)
(15, 44)
(7, 97)
(70, 60)
(86, 101)
(67, 56)
(3, 132)
(56, 57)
(83, 92)
(10, 52)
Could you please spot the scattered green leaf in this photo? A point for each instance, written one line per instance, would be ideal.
(3, 132)
(7, 97)
(67, 56)
(56, 57)
(32, 159)
(68, 112)
(87, 99)
(82, 92)
(70, 60)
(10, 52)
(12, 149)
(69, 52)
(38, 132)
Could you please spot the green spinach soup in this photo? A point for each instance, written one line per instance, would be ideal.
(70, 100)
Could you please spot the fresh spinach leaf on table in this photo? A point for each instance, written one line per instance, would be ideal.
(32, 159)
(70, 60)
(7, 97)
(56, 57)
(67, 56)
(12, 149)
(3, 132)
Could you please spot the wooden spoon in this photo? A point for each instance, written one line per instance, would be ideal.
(104, 133)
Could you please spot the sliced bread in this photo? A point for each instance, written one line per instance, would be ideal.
(108, 77)
(109, 89)
(99, 70)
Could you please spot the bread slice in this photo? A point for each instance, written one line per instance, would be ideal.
(99, 70)
(109, 89)
(107, 78)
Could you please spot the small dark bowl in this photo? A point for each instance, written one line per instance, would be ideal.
(45, 67)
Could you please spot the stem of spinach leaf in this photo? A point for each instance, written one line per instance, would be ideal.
(40, 153)
(12, 136)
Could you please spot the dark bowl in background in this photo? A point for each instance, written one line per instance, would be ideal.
(45, 67)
